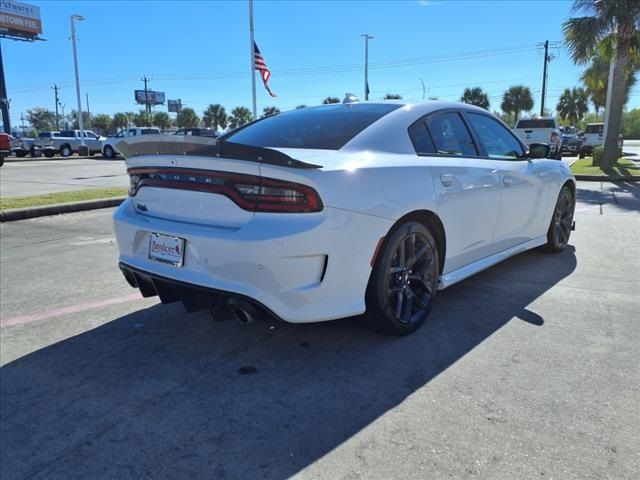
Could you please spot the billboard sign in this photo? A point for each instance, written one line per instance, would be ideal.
(174, 105)
(151, 97)
(19, 19)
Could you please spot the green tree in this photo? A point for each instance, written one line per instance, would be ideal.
(101, 122)
(609, 29)
(239, 116)
(596, 79)
(392, 96)
(142, 119)
(215, 116)
(161, 120)
(268, 111)
(330, 100)
(517, 99)
(301, 106)
(631, 123)
(41, 119)
(187, 117)
(573, 104)
(73, 120)
(475, 96)
(119, 121)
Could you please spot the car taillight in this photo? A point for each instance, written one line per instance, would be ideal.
(249, 192)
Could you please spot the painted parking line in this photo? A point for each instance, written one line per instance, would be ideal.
(57, 312)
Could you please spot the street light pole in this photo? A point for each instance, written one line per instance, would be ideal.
(75, 65)
(367, 37)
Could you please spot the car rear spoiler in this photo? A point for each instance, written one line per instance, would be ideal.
(206, 147)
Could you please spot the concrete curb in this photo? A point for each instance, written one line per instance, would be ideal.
(14, 214)
(603, 178)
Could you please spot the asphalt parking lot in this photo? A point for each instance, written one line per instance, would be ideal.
(527, 370)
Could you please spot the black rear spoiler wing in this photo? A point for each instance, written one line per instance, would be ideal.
(206, 147)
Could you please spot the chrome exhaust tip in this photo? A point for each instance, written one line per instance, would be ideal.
(242, 311)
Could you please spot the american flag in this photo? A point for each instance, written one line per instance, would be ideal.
(261, 66)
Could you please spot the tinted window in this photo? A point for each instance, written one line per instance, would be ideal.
(132, 132)
(45, 135)
(67, 133)
(598, 128)
(149, 131)
(537, 123)
(421, 139)
(327, 127)
(450, 135)
(497, 140)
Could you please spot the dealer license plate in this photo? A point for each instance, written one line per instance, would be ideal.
(166, 249)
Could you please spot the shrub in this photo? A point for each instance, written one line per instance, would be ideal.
(597, 154)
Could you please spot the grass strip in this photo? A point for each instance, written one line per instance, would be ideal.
(623, 167)
(61, 197)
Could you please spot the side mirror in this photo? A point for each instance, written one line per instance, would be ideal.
(539, 150)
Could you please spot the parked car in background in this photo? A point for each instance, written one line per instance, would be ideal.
(594, 136)
(5, 146)
(109, 149)
(197, 132)
(24, 146)
(337, 210)
(571, 143)
(66, 142)
(541, 130)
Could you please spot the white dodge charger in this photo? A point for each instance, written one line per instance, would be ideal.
(338, 210)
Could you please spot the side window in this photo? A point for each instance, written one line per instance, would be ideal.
(421, 139)
(120, 134)
(450, 135)
(132, 132)
(497, 140)
(180, 132)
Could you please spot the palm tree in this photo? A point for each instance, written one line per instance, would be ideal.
(596, 79)
(573, 104)
(162, 120)
(392, 96)
(517, 99)
(475, 96)
(329, 100)
(301, 106)
(268, 111)
(215, 116)
(120, 121)
(239, 116)
(609, 29)
(187, 117)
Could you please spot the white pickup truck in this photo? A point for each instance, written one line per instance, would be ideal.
(66, 142)
(109, 149)
(594, 136)
(541, 130)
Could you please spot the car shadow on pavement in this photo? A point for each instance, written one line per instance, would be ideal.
(162, 394)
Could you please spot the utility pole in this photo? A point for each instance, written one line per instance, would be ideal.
(423, 89)
(146, 96)
(367, 37)
(82, 149)
(4, 101)
(55, 90)
(544, 76)
(88, 110)
(22, 120)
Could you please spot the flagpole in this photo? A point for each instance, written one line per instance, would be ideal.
(253, 63)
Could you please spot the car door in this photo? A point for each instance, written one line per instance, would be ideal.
(522, 187)
(466, 186)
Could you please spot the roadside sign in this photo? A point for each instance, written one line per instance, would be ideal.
(151, 97)
(19, 19)
(174, 105)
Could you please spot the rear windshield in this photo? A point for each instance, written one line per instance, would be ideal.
(149, 131)
(537, 123)
(598, 128)
(327, 127)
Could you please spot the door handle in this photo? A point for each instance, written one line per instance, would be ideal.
(507, 181)
(446, 179)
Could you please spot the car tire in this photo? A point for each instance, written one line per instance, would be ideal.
(561, 224)
(65, 151)
(108, 151)
(21, 153)
(49, 153)
(403, 281)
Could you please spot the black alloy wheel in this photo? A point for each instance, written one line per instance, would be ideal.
(404, 280)
(561, 222)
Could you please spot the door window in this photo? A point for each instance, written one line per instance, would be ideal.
(450, 135)
(421, 139)
(497, 140)
(132, 132)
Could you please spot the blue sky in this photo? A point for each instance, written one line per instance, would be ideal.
(199, 51)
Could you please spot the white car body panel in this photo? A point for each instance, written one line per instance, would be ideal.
(307, 267)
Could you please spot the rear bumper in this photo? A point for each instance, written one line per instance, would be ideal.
(301, 267)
